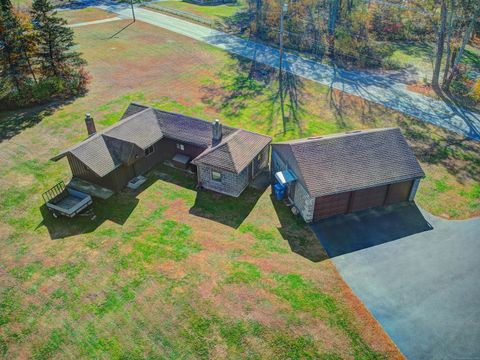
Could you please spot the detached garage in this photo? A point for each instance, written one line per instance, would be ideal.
(343, 173)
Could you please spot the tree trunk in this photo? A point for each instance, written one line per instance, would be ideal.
(332, 23)
(465, 40)
(448, 55)
(27, 58)
(440, 43)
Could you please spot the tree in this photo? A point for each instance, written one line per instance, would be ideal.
(466, 38)
(55, 41)
(14, 63)
(448, 55)
(440, 43)
(333, 13)
(5, 4)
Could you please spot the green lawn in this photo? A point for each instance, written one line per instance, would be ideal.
(421, 57)
(217, 12)
(169, 272)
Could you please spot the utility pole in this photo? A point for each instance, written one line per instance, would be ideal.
(133, 11)
(280, 67)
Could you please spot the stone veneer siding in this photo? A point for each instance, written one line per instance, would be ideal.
(231, 184)
(302, 200)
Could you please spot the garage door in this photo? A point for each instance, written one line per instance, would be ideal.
(331, 205)
(367, 198)
(398, 192)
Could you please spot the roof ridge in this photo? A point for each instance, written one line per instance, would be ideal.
(335, 136)
(120, 123)
(190, 117)
(99, 134)
(224, 141)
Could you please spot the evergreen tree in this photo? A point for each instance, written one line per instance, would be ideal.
(5, 4)
(55, 41)
(13, 62)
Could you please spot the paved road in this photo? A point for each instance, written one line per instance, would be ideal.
(384, 89)
(420, 279)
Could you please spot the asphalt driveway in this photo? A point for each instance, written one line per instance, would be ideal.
(421, 280)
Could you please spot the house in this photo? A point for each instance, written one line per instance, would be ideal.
(330, 175)
(226, 159)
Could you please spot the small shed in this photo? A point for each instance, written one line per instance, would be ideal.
(343, 173)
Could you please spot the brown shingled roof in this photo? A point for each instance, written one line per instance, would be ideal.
(235, 151)
(350, 161)
(142, 126)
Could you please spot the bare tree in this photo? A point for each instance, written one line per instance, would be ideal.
(466, 38)
(448, 55)
(440, 43)
(333, 12)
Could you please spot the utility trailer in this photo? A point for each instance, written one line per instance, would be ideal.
(65, 201)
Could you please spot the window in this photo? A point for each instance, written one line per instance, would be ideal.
(216, 176)
(149, 150)
(180, 147)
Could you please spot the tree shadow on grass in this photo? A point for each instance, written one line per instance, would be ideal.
(117, 209)
(254, 84)
(233, 94)
(13, 122)
(301, 239)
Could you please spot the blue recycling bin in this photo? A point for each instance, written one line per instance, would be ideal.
(279, 191)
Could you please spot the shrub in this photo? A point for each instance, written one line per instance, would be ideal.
(475, 93)
(458, 87)
(48, 89)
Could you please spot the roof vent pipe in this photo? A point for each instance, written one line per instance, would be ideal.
(216, 132)
(90, 125)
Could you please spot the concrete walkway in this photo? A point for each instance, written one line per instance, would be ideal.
(384, 89)
(420, 280)
(86, 23)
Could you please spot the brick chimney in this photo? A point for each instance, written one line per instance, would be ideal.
(216, 132)
(90, 125)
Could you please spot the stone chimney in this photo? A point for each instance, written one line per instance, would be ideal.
(90, 125)
(216, 132)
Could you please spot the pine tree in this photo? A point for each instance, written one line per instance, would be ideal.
(13, 62)
(55, 41)
(5, 5)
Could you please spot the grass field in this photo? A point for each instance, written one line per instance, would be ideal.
(217, 12)
(171, 273)
(83, 15)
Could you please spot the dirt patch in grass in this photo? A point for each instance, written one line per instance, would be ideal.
(423, 89)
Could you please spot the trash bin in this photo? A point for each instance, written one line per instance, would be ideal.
(279, 191)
